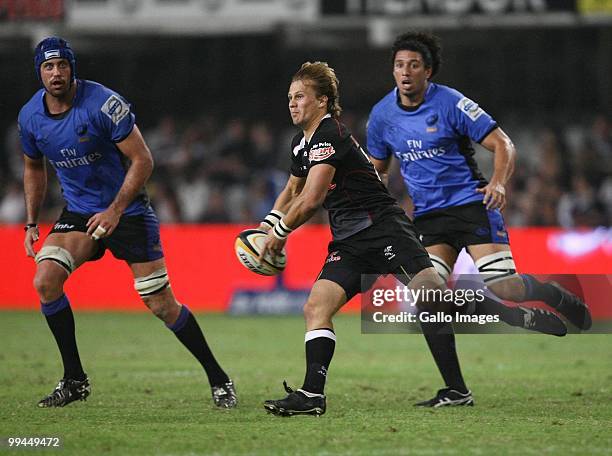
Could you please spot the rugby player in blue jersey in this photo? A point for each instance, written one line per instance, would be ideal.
(429, 127)
(88, 134)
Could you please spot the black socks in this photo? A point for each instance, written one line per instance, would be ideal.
(539, 291)
(440, 338)
(188, 331)
(61, 322)
(320, 345)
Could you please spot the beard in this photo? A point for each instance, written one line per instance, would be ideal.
(59, 91)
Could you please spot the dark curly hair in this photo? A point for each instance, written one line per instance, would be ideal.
(426, 44)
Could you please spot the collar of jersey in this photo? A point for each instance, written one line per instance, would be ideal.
(413, 108)
(326, 116)
(62, 115)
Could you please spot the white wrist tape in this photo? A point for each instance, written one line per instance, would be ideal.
(273, 218)
(281, 230)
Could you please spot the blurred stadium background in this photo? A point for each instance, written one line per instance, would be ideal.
(208, 78)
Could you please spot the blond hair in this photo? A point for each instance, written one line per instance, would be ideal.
(325, 82)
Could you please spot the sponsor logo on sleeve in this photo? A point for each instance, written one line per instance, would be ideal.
(320, 152)
(470, 108)
(115, 108)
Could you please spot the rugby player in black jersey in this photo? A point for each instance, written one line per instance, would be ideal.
(371, 235)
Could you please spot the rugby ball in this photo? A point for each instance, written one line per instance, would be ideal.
(248, 245)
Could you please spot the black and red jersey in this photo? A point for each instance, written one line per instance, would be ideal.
(356, 198)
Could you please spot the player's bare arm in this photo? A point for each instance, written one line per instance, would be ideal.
(286, 197)
(305, 205)
(35, 188)
(504, 152)
(382, 167)
(134, 148)
(312, 196)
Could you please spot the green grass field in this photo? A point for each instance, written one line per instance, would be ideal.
(534, 394)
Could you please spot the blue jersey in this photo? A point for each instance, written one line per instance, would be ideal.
(81, 146)
(432, 143)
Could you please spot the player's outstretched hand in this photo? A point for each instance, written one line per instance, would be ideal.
(494, 195)
(272, 245)
(31, 237)
(103, 224)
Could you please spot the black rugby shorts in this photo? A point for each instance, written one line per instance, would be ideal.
(390, 246)
(135, 240)
(461, 226)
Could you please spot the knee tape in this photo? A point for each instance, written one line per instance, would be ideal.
(153, 283)
(441, 267)
(496, 267)
(58, 254)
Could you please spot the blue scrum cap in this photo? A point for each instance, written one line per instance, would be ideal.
(54, 47)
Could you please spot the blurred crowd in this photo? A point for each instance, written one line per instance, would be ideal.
(210, 170)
